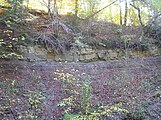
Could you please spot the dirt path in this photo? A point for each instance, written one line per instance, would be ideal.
(112, 82)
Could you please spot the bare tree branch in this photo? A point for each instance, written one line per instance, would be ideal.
(100, 10)
(139, 14)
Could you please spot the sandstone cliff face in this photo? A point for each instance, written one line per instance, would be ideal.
(84, 54)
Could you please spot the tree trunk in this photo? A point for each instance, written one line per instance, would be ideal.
(120, 12)
(49, 5)
(126, 11)
(28, 3)
(140, 20)
(55, 18)
(76, 8)
(49, 8)
(139, 14)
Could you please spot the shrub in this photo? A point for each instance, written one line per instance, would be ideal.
(78, 105)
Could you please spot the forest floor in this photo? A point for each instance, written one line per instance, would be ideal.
(128, 89)
(36, 90)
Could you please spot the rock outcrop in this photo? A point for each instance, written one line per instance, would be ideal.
(84, 54)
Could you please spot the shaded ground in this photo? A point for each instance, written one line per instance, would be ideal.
(29, 90)
(34, 90)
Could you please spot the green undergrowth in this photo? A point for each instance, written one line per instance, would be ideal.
(78, 105)
(20, 102)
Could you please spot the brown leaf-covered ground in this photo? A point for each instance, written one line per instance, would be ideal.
(134, 82)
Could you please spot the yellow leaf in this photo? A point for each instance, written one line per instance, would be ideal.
(22, 38)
